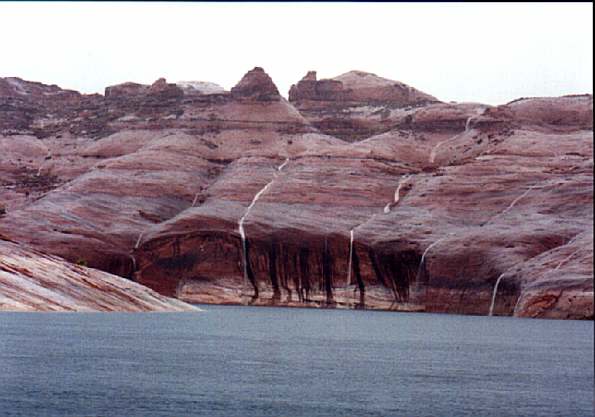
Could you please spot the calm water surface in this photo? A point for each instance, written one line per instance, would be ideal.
(258, 362)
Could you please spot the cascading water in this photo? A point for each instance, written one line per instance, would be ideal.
(280, 167)
(386, 210)
(468, 123)
(397, 195)
(423, 257)
(242, 220)
(511, 205)
(195, 199)
(133, 263)
(467, 129)
(494, 292)
(351, 234)
(562, 262)
(568, 258)
(140, 236)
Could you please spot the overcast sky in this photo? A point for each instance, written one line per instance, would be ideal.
(490, 53)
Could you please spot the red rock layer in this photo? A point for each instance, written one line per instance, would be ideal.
(448, 204)
(356, 105)
(33, 281)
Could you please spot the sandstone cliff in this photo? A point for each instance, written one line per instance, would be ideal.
(33, 281)
(358, 192)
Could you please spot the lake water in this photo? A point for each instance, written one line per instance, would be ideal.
(279, 362)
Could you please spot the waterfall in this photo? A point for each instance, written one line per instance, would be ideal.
(397, 195)
(350, 257)
(242, 220)
(398, 190)
(511, 205)
(439, 144)
(386, 210)
(280, 167)
(133, 265)
(468, 123)
(568, 258)
(423, 256)
(195, 198)
(562, 262)
(140, 236)
(435, 149)
(491, 312)
(516, 305)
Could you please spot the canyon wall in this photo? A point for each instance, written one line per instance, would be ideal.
(34, 281)
(358, 192)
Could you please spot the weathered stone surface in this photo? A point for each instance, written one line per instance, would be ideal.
(125, 89)
(256, 85)
(555, 284)
(108, 191)
(33, 281)
(446, 202)
(494, 198)
(357, 86)
(200, 87)
(356, 105)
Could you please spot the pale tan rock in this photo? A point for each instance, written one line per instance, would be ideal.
(33, 281)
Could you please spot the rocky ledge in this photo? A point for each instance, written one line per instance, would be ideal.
(358, 192)
(33, 281)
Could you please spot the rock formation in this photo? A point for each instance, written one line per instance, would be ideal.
(200, 87)
(356, 105)
(33, 281)
(256, 85)
(386, 198)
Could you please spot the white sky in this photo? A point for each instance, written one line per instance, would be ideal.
(491, 53)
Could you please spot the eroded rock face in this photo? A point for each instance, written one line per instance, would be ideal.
(33, 281)
(355, 105)
(92, 199)
(533, 288)
(200, 87)
(431, 207)
(256, 85)
(357, 86)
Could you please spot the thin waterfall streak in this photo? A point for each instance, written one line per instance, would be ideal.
(568, 258)
(511, 205)
(351, 233)
(562, 262)
(516, 305)
(439, 144)
(280, 168)
(133, 263)
(398, 190)
(244, 263)
(140, 236)
(494, 292)
(423, 256)
(468, 123)
(242, 220)
(365, 222)
(570, 241)
(397, 195)
(195, 198)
